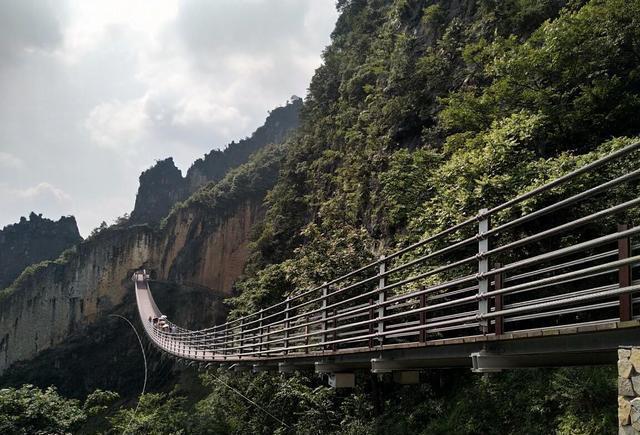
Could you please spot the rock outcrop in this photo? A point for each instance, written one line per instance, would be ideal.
(32, 241)
(163, 185)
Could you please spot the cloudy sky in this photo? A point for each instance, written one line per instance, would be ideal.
(93, 92)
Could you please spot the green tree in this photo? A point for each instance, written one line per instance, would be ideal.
(30, 410)
(157, 414)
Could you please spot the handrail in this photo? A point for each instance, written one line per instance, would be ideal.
(396, 300)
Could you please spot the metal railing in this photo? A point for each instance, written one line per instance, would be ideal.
(569, 261)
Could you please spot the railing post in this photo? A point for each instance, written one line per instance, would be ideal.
(306, 333)
(422, 335)
(196, 341)
(325, 295)
(483, 266)
(215, 341)
(225, 340)
(334, 325)
(268, 337)
(498, 281)
(286, 325)
(241, 338)
(260, 332)
(624, 275)
(382, 282)
(371, 326)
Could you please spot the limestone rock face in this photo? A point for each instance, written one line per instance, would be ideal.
(197, 251)
(625, 387)
(32, 241)
(625, 368)
(624, 411)
(59, 301)
(635, 359)
(635, 380)
(635, 413)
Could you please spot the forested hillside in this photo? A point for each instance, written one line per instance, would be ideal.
(422, 113)
(425, 112)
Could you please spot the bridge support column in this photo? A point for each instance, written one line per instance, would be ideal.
(410, 377)
(259, 368)
(284, 367)
(342, 380)
(629, 390)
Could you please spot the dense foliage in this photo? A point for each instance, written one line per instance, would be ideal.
(423, 113)
(31, 411)
(566, 401)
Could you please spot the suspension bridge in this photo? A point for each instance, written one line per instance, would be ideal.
(548, 278)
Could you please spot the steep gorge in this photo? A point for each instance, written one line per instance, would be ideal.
(61, 299)
(198, 253)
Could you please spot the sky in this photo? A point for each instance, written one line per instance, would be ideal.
(94, 92)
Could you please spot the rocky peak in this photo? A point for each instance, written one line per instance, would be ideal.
(163, 185)
(34, 240)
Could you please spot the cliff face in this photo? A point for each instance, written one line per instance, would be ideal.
(60, 299)
(160, 187)
(63, 300)
(163, 185)
(32, 241)
(195, 255)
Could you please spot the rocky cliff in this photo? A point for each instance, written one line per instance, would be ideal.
(61, 300)
(32, 241)
(202, 246)
(163, 185)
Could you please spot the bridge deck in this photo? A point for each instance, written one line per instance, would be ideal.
(506, 288)
(554, 346)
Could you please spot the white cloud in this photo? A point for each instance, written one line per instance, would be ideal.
(41, 198)
(203, 111)
(8, 160)
(43, 190)
(94, 92)
(118, 124)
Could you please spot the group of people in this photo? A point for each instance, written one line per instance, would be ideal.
(162, 323)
